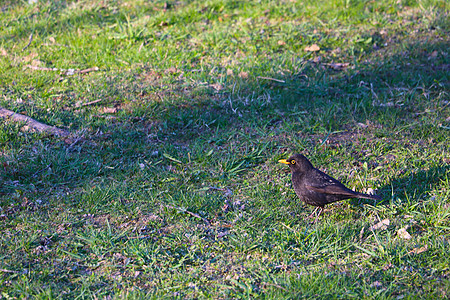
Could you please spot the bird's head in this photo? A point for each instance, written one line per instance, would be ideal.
(297, 163)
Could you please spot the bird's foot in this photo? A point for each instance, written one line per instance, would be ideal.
(318, 215)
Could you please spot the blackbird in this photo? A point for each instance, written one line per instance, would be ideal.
(316, 188)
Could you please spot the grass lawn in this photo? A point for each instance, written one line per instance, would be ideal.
(168, 185)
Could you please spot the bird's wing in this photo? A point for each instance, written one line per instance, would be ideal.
(332, 190)
(324, 183)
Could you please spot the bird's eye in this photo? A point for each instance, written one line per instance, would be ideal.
(293, 162)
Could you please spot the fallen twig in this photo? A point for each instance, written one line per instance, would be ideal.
(58, 45)
(373, 92)
(41, 68)
(88, 103)
(190, 213)
(31, 123)
(29, 42)
(7, 271)
(270, 78)
(140, 237)
(64, 71)
(89, 70)
(74, 142)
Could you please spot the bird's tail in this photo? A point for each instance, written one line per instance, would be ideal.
(367, 196)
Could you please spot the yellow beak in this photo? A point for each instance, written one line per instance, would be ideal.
(283, 161)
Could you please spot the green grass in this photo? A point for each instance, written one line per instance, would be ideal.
(194, 132)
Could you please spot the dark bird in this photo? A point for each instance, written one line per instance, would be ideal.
(316, 188)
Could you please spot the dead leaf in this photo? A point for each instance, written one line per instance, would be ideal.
(36, 63)
(336, 50)
(225, 207)
(30, 57)
(381, 225)
(338, 66)
(390, 157)
(434, 54)
(243, 75)
(171, 70)
(312, 48)
(361, 233)
(217, 86)
(281, 43)
(3, 52)
(222, 234)
(108, 110)
(387, 104)
(402, 233)
(376, 284)
(229, 72)
(370, 191)
(418, 250)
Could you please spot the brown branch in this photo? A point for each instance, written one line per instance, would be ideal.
(31, 123)
(190, 213)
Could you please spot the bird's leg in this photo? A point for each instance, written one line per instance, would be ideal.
(320, 212)
(313, 213)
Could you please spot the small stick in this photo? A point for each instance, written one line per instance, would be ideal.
(76, 141)
(189, 212)
(61, 45)
(270, 78)
(140, 237)
(373, 92)
(41, 68)
(88, 70)
(92, 102)
(89, 103)
(7, 271)
(63, 70)
(29, 42)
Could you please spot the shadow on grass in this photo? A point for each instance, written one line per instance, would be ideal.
(412, 187)
(418, 184)
(319, 100)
